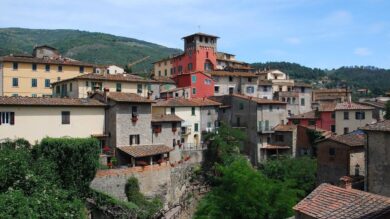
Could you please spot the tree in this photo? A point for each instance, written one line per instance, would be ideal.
(132, 190)
(128, 69)
(387, 109)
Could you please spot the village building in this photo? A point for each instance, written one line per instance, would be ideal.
(32, 75)
(341, 155)
(329, 201)
(163, 68)
(331, 96)
(307, 137)
(227, 82)
(110, 69)
(228, 62)
(377, 157)
(350, 116)
(379, 108)
(82, 86)
(39, 117)
(199, 116)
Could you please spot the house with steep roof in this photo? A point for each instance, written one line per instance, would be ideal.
(350, 116)
(377, 157)
(329, 201)
(34, 118)
(341, 155)
(32, 75)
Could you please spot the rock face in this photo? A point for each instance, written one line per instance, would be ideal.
(163, 181)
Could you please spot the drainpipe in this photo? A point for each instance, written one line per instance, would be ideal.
(366, 168)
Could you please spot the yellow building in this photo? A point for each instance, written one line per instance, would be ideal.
(163, 68)
(32, 75)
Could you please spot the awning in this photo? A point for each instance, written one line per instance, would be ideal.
(145, 150)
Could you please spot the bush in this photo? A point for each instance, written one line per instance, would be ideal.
(132, 190)
(76, 159)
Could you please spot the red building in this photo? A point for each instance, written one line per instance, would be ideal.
(323, 118)
(190, 68)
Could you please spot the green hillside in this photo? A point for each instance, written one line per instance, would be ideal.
(97, 48)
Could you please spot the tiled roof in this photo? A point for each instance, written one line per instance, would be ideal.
(48, 101)
(383, 126)
(301, 84)
(337, 90)
(58, 61)
(165, 80)
(352, 106)
(378, 104)
(202, 34)
(128, 97)
(308, 115)
(259, 100)
(145, 150)
(233, 74)
(175, 89)
(166, 118)
(328, 201)
(186, 102)
(327, 107)
(108, 77)
(350, 139)
(285, 128)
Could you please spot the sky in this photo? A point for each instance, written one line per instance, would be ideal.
(314, 33)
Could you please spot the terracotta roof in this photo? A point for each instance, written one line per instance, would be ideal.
(337, 90)
(378, 104)
(264, 82)
(187, 102)
(350, 139)
(328, 201)
(383, 126)
(233, 74)
(48, 101)
(145, 150)
(352, 106)
(327, 107)
(301, 84)
(166, 118)
(128, 97)
(165, 80)
(31, 59)
(285, 128)
(175, 89)
(259, 100)
(108, 77)
(272, 146)
(308, 115)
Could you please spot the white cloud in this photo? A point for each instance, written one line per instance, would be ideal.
(293, 40)
(361, 51)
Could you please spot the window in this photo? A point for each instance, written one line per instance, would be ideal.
(159, 73)
(15, 95)
(81, 69)
(189, 67)
(302, 90)
(59, 68)
(271, 108)
(47, 83)
(265, 89)
(296, 121)
(134, 139)
(172, 110)
(33, 95)
(241, 106)
(15, 82)
(332, 151)
(7, 118)
(165, 72)
(346, 115)
(193, 90)
(47, 67)
(279, 138)
(34, 66)
(216, 89)
(65, 117)
(134, 110)
(346, 130)
(230, 78)
(207, 81)
(34, 82)
(333, 115)
(333, 128)
(15, 66)
(250, 90)
(312, 122)
(196, 128)
(87, 83)
(193, 111)
(193, 78)
(249, 79)
(302, 101)
(208, 124)
(70, 87)
(360, 115)
(58, 89)
(179, 69)
(209, 112)
(118, 87)
(139, 88)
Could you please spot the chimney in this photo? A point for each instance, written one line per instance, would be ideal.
(346, 182)
(105, 94)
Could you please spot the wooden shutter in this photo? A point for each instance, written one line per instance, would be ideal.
(12, 119)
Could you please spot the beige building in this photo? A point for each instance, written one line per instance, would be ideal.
(351, 116)
(81, 86)
(163, 68)
(36, 118)
(32, 75)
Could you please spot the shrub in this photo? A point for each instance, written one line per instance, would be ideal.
(132, 191)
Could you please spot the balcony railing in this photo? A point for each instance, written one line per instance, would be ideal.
(264, 127)
(192, 147)
(185, 130)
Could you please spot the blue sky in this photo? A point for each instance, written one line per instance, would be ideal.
(315, 33)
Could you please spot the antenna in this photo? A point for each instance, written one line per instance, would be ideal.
(199, 28)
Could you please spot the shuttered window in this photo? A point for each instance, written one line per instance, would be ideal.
(7, 118)
(65, 115)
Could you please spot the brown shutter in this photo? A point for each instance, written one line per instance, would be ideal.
(12, 119)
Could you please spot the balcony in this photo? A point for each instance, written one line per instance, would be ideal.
(185, 130)
(264, 127)
(192, 147)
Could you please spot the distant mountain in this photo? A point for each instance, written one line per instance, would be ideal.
(96, 48)
(293, 70)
